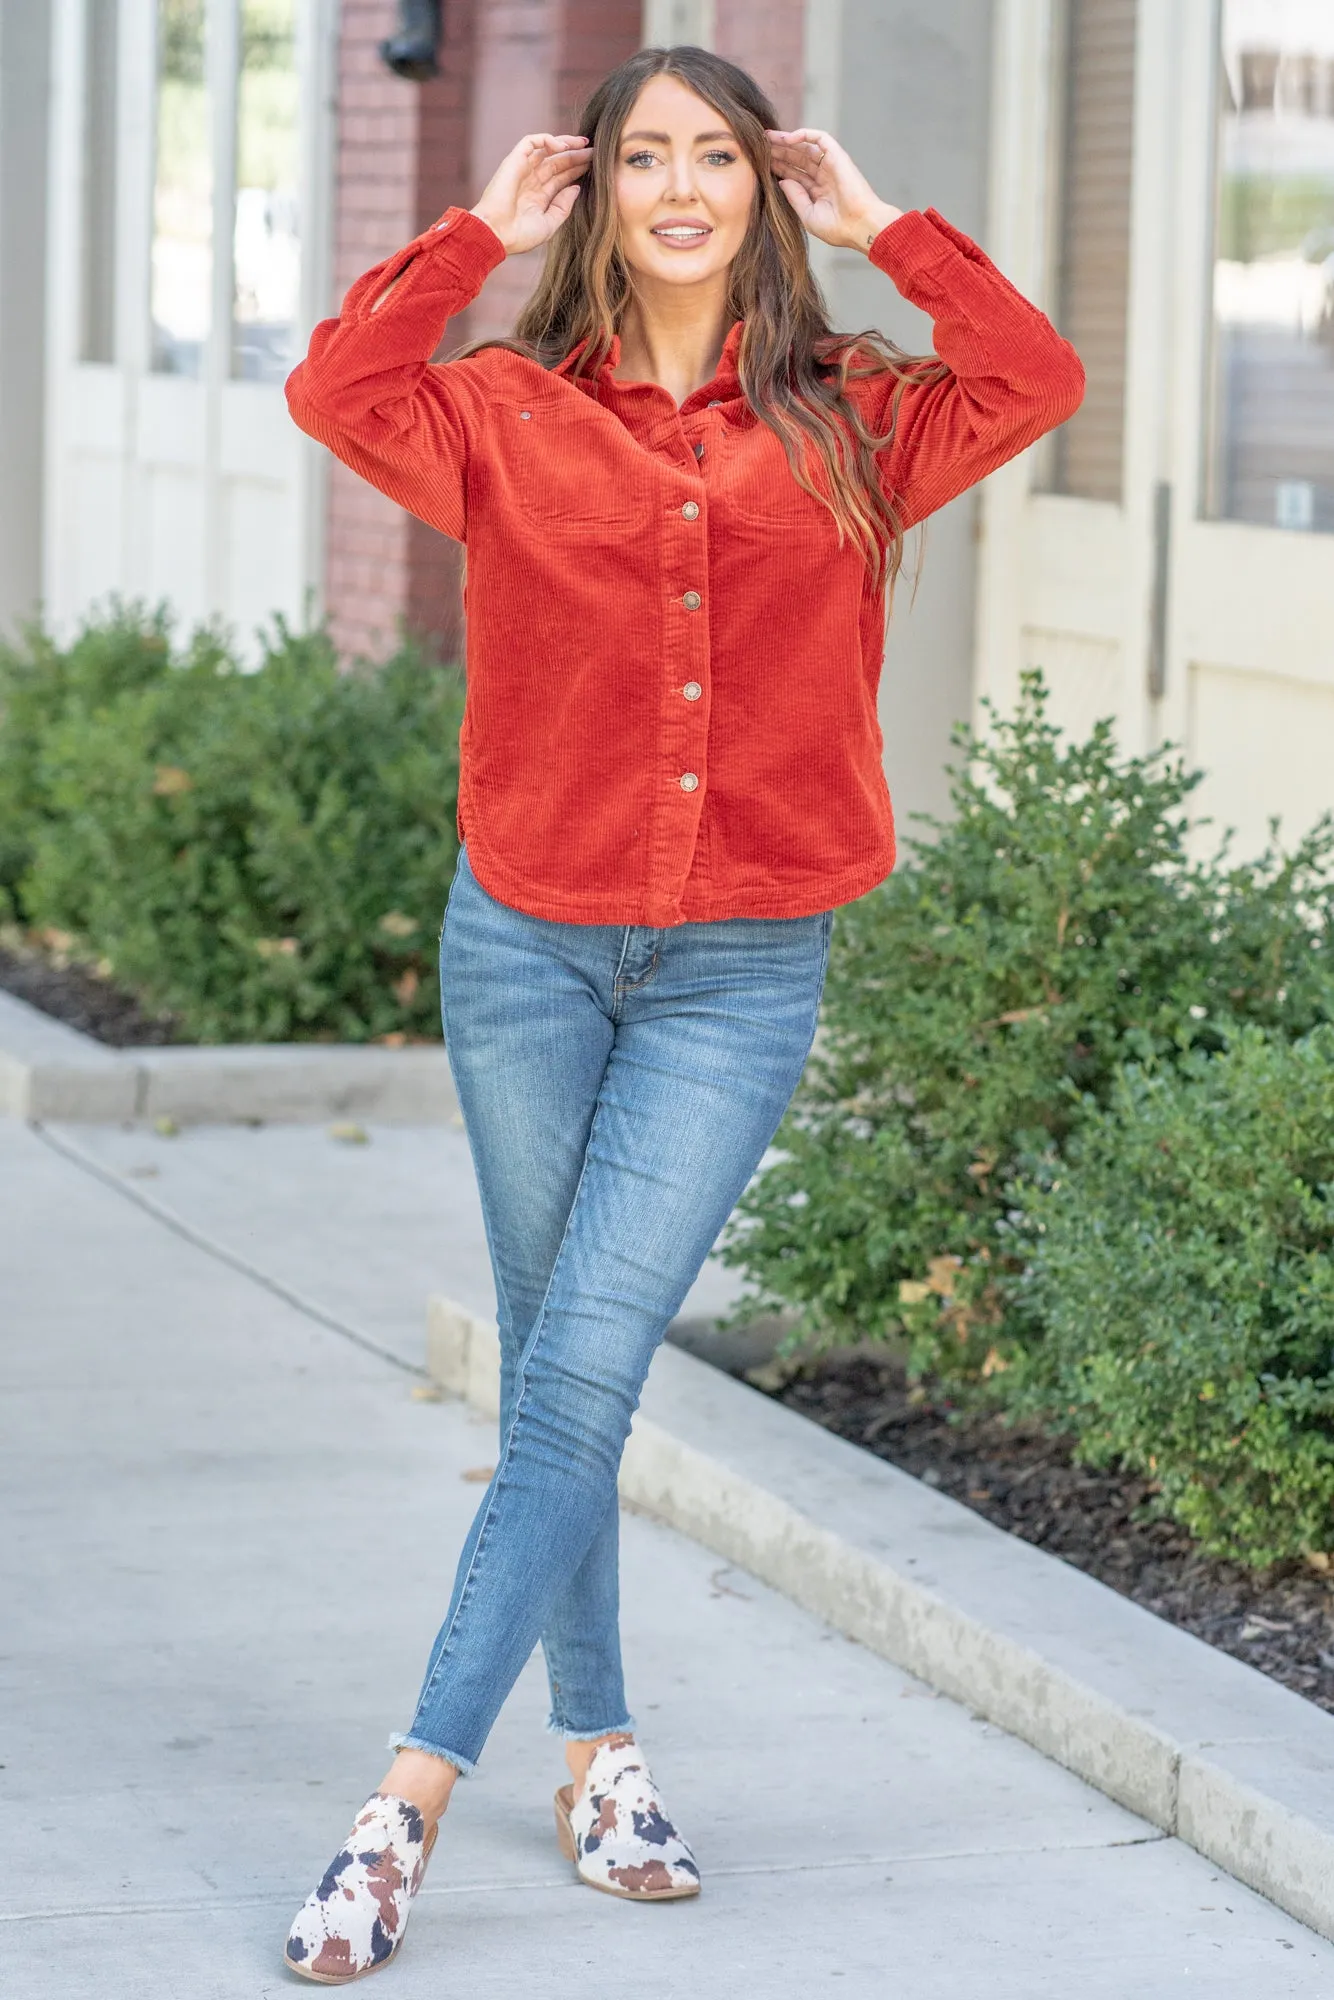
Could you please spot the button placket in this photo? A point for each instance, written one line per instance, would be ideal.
(683, 745)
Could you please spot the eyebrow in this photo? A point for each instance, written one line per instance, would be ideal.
(665, 138)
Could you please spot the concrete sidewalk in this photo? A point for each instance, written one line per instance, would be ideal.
(230, 1534)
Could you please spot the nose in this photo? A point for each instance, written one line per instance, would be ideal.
(682, 185)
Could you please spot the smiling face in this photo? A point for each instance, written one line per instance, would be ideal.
(685, 190)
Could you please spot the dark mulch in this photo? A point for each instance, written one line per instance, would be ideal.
(75, 994)
(1280, 1620)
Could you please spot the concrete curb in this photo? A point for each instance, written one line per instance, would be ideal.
(1194, 1741)
(51, 1072)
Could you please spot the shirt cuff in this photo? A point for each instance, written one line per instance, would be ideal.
(476, 239)
(911, 240)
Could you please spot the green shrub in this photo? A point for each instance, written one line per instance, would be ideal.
(1184, 1277)
(981, 1003)
(264, 854)
(39, 685)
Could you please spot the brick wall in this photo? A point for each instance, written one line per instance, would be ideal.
(766, 38)
(403, 156)
(405, 152)
(595, 36)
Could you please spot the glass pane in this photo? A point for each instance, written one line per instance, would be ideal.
(1272, 436)
(98, 333)
(266, 249)
(182, 193)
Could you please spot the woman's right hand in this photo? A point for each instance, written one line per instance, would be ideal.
(533, 189)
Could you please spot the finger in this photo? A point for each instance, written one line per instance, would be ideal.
(798, 197)
(561, 204)
(797, 170)
(559, 176)
(799, 152)
(555, 162)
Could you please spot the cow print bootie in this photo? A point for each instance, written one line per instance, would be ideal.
(354, 1921)
(617, 1833)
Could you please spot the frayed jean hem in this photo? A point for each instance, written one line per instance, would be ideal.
(465, 1766)
(555, 1727)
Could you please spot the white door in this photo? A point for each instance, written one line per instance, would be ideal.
(1171, 561)
(189, 205)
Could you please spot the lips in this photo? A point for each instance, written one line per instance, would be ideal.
(682, 235)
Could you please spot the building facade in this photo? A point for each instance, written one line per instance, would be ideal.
(186, 185)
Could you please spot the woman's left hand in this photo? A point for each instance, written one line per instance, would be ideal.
(833, 198)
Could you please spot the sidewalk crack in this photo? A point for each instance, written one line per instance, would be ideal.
(69, 1150)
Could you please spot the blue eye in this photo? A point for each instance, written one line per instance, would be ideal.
(636, 159)
(718, 157)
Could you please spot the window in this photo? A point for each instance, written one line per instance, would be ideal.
(182, 272)
(1092, 236)
(1271, 417)
(97, 333)
(266, 248)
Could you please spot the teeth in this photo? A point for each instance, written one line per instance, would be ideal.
(681, 230)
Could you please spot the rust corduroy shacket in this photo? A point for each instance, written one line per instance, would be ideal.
(672, 665)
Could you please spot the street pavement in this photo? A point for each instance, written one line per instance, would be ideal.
(228, 1534)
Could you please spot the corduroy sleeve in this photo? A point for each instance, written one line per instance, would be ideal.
(1011, 376)
(367, 388)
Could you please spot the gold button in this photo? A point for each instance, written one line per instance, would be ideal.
(691, 510)
(692, 690)
(688, 781)
(691, 600)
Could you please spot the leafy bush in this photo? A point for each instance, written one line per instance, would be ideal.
(980, 1005)
(264, 854)
(40, 685)
(1184, 1278)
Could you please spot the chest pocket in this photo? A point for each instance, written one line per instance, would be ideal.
(759, 485)
(562, 466)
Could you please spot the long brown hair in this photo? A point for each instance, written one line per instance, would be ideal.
(794, 369)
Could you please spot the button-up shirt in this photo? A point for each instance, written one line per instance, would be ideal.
(672, 664)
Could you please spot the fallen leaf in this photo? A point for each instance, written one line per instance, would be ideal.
(771, 1376)
(350, 1135)
(479, 1475)
(720, 1587)
(426, 1392)
(940, 1272)
(165, 1127)
(394, 1040)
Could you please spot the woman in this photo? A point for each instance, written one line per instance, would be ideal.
(683, 500)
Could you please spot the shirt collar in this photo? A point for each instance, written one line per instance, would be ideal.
(724, 387)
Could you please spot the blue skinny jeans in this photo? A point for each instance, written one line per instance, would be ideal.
(619, 1085)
